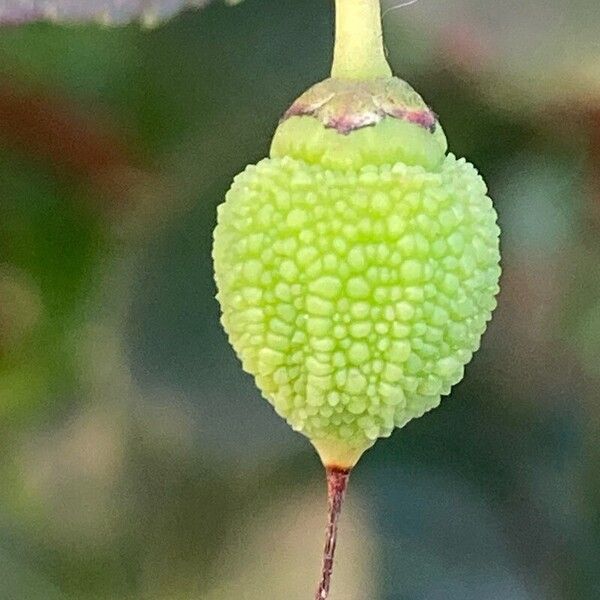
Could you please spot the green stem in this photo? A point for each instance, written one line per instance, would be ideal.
(359, 52)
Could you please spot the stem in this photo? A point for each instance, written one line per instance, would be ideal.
(359, 52)
(337, 482)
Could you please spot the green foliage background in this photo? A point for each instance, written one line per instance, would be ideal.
(137, 460)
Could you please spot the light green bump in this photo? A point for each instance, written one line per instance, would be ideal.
(355, 289)
(358, 353)
(328, 287)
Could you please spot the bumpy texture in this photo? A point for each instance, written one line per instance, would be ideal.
(355, 297)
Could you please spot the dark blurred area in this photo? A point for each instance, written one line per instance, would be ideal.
(138, 461)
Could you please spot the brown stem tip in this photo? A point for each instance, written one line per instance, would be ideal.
(337, 482)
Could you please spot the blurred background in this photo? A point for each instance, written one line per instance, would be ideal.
(138, 461)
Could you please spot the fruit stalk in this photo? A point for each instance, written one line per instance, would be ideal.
(337, 483)
(359, 52)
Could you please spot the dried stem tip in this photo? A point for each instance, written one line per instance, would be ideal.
(337, 482)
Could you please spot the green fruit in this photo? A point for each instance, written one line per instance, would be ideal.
(356, 271)
(357, 266)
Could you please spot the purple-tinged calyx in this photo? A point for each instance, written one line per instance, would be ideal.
(347, 105)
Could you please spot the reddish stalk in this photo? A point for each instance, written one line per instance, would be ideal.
(337, 483)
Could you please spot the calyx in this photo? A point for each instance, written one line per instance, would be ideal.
(348, 105)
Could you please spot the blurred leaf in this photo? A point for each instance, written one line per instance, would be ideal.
(544, 51)
(108, 12)
(50, 249)
(279, 549)
(541, 198)
(20, 578)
